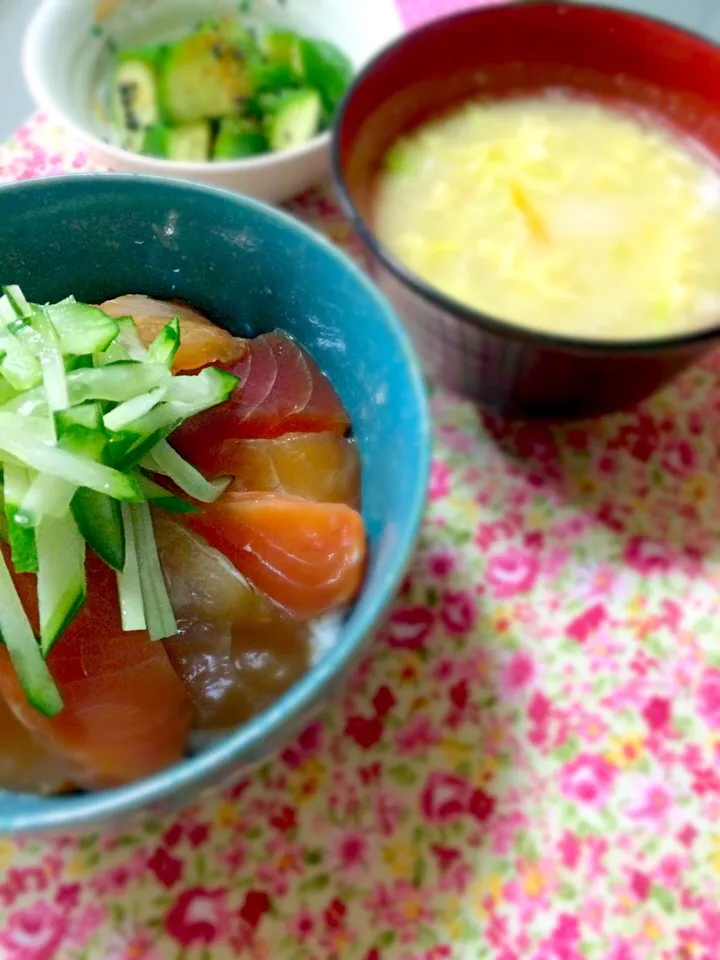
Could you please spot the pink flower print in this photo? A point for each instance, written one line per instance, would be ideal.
(708, 697)
(302, 925)
(586, 623)
(458, 612)
(446, 797)
(197, 916)
(640, 884)
(409, 628)
(255, 905)
(440, 480)
(655, 805)
(679, 458)
(657, 714)
(588, 779)
(167, 869)
(518, 673)
(417, 735)
(351, 850)
(34, 933)
(570, 850)
(389, 812)
(87, 923)
(234, 858)
(307, 745)
(512, 572)
(139, 947)
(441, 564)
(647, 556)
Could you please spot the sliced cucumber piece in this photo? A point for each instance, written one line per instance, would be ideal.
(280, 46)
(126, 413)
(187, 396)
(203, 77)
(130, 338)
(134, 103)
(24, 650)
(295, 121)
(325, 68)
(273, 77)
(20, 368)
(186, 143)
(132, 610)
(21, 438)
(99, 519)
(238, 138)
(160, 497)
(159, 614)
(47, 497)
(81, 430)
(51, 361)
(21, 535)
(61, 576)
(82, 329)
(166, 461)
(166, 344)
(116, 382)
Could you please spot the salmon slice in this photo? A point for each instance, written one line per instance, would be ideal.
(318, 466)
(126, 714)
(201, 342)
(308, 558)
(26, 766)
(235, 651)
(282, 390)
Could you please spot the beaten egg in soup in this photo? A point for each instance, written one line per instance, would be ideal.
(559, 214)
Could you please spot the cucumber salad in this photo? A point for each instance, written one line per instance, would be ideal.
(85, 410)
(226, 92)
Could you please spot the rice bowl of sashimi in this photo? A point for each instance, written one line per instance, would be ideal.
(198, 528)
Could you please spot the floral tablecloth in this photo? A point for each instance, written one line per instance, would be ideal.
(527, 765)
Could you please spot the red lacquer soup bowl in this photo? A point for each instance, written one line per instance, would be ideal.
(519, 49)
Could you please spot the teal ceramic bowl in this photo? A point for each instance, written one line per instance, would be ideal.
(256, 269)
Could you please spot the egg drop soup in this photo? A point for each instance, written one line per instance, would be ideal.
(559, 214)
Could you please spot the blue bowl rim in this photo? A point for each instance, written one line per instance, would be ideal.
(67, 813)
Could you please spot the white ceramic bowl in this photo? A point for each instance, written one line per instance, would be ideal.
(68, 51)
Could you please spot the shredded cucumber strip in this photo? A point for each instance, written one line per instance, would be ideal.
(51, 362)
(82, 403)
(61, 576)
(166, 344)
(116, 382)
(163, 459)
(17, 440)
(126, 413)
(21, 535)
(24, 650)
(159, 614)
(132, 610)
(47, 496)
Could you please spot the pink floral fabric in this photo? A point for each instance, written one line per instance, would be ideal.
(525, 767)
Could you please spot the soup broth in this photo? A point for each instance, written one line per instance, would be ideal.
(559, 214)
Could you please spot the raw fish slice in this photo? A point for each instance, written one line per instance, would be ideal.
(285, 394)
(234, 651)
(201, 342)
(126, 714)
(308, 558)
(318, 466)
(25, 766)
